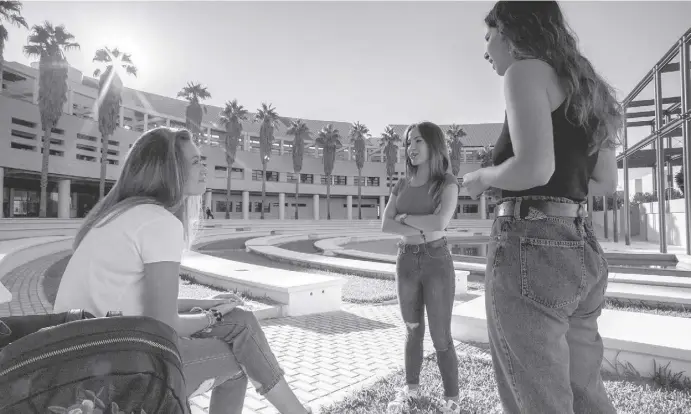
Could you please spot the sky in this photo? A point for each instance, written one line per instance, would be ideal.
(375, 62)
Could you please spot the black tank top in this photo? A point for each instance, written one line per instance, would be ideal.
(572, 165)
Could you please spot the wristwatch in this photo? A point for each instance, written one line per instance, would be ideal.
(403, 217)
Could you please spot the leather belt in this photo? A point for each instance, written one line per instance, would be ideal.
(417, 248)
(521, 209)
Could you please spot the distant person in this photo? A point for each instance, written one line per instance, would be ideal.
(546, 272)
(209, 215)
(419, 209)
(127, 257)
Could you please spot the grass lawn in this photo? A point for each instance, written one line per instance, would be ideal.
(478, 387)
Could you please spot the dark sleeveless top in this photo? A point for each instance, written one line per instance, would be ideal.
(572, 165)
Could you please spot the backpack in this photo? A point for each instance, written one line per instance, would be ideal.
(72, 362)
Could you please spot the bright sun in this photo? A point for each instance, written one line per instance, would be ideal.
(127, 44)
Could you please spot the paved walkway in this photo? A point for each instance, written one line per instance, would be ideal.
(325, 356)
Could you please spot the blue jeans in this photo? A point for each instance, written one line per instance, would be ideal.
(426, 278)
(545, 284)
(224, 358)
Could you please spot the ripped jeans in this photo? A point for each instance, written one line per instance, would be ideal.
(426, 278)
(544, 290)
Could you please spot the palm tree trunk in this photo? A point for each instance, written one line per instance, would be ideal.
(104, 165)
(359, 195)
(297, 193)
(263, 189)
(328, 197)
(43, 201)
(228, 181)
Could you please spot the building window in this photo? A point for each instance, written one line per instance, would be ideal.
(372, 181)
(340, 180)
(270, 175)
(324, 179)
(359, 181)
(23, 123)
(291, 177)
(307, 178)
(221, 206)
(257, 207)
(238, 206)
(470, 208)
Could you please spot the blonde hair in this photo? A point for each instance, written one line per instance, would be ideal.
(155, 172)
(538, 30)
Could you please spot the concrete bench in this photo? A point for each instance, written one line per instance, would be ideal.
(302, 293)
(267, 246)
(628, 337)
(334, 246)
(14, 253)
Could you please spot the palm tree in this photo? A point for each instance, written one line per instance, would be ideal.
(194, 113)
(454, 134)
(358, 133)
(269, 119)
(330, 141)
(300, 131)
(109, 99)
(389, 147)
(230, 118)
(49, 43)
(11, 12)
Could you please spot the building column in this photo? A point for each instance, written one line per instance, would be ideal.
(382, 206)
(74, 205)
(246, 205)
(121, 116)
(315, 206)
(67, 106)
(2, 193)
(208, 134)
(11, 203)
(349, 203)
(350, 152)
(280, 147)
(208, 201)
(281, 206)
(35, 95)
(246, 141)
(64, 199)
(483, 207)
(146, 122)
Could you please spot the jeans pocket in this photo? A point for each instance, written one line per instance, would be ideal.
(441, 252)
(552, 271)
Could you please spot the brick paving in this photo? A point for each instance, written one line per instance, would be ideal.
(325, 356)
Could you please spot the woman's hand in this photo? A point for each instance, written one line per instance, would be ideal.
(474, 184)
(226, 308)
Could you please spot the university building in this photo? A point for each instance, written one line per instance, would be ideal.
(75, 154)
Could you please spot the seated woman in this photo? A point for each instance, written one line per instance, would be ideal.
(127, 258)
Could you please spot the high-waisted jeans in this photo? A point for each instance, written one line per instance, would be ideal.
(426, 278)
(545, 285)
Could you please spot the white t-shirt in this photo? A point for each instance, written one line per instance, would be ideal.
(106, 272)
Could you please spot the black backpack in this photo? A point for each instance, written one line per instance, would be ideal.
(60, 363)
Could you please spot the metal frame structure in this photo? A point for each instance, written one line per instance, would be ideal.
(662, 127)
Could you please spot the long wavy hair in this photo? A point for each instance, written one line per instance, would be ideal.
(538, 30)
(154, 172)
(438, 151)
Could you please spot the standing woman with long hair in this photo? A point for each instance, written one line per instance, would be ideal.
(546, 273)
(419, 209)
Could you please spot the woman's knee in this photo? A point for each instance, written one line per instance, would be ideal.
(244, 318)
